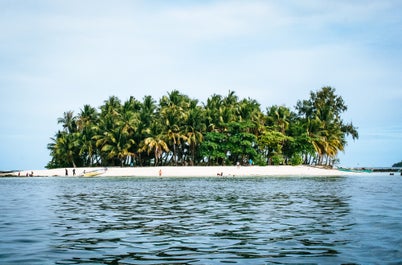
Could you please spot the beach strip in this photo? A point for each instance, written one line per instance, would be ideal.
(188, 171)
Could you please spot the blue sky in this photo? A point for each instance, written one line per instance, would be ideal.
(57, 56)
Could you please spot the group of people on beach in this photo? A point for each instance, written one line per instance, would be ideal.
(73, 172)
(27, 174)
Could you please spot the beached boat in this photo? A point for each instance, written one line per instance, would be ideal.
(94, 173)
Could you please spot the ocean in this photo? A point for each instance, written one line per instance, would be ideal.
(219, 220)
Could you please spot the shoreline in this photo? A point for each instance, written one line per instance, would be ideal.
(188, 171)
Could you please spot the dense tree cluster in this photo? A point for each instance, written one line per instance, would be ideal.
(225, 130)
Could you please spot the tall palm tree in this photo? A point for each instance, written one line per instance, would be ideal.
(148, 126)
(231, 108)
(86, 122)
(111, 106)
(278, 118)
(129, 121)
(249, 110)
(108, 133)
(195, 127)
(116, 130)
(179, 130)
(68, 121)
(173, 114)
(213, 110)
(322, 117)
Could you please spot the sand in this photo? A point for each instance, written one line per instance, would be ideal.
(229, 171)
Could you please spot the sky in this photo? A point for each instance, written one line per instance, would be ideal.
(57, 56)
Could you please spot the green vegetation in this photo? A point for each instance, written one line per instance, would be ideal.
(399, 164)
(179, 130)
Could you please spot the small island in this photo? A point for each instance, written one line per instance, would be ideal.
(399, 164)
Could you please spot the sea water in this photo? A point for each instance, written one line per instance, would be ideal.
(220, 220)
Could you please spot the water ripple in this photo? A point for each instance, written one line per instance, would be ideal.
(198, 221)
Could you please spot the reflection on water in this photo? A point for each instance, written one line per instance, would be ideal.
(185, 221)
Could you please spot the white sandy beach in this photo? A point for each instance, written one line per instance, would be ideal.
(197, 171)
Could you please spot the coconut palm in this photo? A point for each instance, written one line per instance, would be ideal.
(213, 111)
(194, 129)
(156, 145)
(249, 110)
(148, 126)
(64, 150)
(86, 122)
(278, 118)
(173, 114)
(321, 115)
(179, 130)
(115, 144)
(68, 121)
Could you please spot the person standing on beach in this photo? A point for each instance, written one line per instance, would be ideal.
(160, 172)
(66, 172)
(73, 171)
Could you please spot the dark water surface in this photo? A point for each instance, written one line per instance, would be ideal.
(261, 220)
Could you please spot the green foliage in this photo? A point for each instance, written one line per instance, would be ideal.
(296, 159)
(277, 159)
(399, 164)
(177, 130)
(320, 117)
(259, 160)
(213, 148)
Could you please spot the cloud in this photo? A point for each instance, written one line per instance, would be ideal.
(59, 55)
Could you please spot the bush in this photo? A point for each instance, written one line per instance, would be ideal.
(259, 160)
(296, 160)
(278, 160)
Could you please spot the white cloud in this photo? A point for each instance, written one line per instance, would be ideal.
(61, 55)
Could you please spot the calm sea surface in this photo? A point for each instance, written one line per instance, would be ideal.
(261, 220)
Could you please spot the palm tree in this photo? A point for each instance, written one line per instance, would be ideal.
(111, 106)
(69, 122)
(179, 130)
(173, 114)
(86, 122)
(64, 149)
(213, 111)
(220, 111)
(66, 142)
(249, 111)
(129, 121)
(109, 137)
(148, 125)
(195, 127)
(156, 145)
(116, 130)
(278, 118)
(115, 144)
(321, 116)
(231, 108)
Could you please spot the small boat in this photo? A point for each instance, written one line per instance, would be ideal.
(94, 173)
